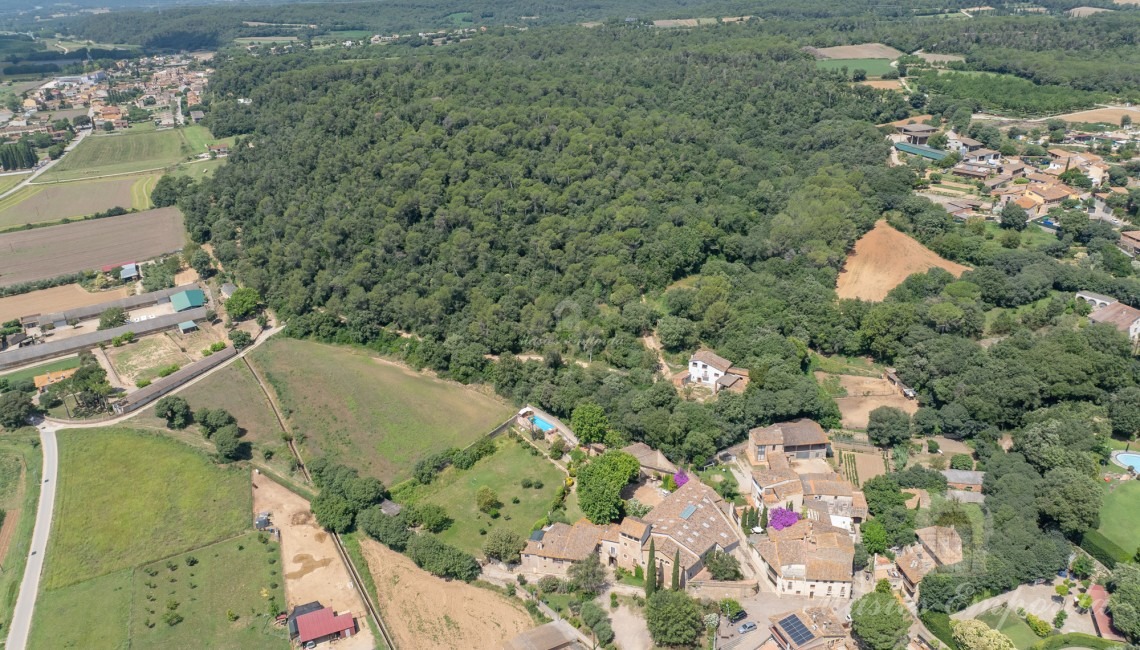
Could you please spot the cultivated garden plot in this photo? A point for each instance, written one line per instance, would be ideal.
(368, 413)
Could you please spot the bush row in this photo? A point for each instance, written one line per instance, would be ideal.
(1103, 549)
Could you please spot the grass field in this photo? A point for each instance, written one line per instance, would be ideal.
(19, 493)
(97, 613)
(454, 490)
(198, 170)
(62, 364)
(1013, 627)
(1118, 521)
(874, 67)
(369, 413)
(198, 137)
(45, 203)
(120, 153)
(8, 181)
(134, 498)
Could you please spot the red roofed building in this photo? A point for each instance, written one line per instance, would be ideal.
(1101, 618)
(324, 625)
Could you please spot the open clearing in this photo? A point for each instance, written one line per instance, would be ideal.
(421, 610)
(454, 491)
(134, 498)
(939, 58)
(882, 259)
(121, 153)
(61, 298)
(42, 203)
(873, 67)
(882, 84)
(369, 413)
(1103, 115)
(1084, 12)
(864, 51)
(145, 357)
(43, 253)
(1011, 625)
(865, 394)
(311, 568)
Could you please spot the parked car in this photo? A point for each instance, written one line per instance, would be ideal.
(747, 627)
(737, 617)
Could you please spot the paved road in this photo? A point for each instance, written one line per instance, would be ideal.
(83, 133)
(25, 603)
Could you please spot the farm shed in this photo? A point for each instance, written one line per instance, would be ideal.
(187, 326)
(324, 625)
(228, 290)
(301, 610)
(144, 396)
(188, 299)
(129, 272)
(25, 355)
(61, 318)
(964, 479)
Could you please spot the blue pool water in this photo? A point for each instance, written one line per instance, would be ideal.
(1048, 223)
(543, 424)
(1131, 460)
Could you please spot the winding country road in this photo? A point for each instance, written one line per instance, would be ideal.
(26, 602)
(30, 586)
(83, 133)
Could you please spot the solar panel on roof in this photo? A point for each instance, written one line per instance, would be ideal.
(688, 511)
(796, 630)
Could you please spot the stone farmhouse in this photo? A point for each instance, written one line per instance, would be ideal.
(800, 439)
(689, 523)
(936, 546)
(809, 558)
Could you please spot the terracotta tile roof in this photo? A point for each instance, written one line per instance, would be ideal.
(1053, 192)
(810, 550)
(770, 477)
(1025, 203)
(914, 564)
(828, 484)
(695, 517)
(794, 433)
(1118, 314)
(563, 542)
(610, 533)
(650, 458)
(52, 377)
(633, 527)
(712, 359)
(1131, 236)
(943, 542)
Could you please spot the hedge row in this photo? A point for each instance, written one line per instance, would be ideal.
(939, 625)
(1075, 640)
(1103, 549)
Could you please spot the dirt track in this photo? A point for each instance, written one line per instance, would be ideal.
(882, 259)
(311, 568)
(48, 301)
(423, 611)
(44, 253)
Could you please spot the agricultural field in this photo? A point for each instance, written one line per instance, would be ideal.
(8, 181)
(873, 67)
(198, 137)
(198, 170)
(864, 51)
(1103, 115)
(882, 259)
(135, 498)
(1118, 520)
(44, 253)
(134, 150)
(940, 58)
(40, 203)
(61, 298)
(234, 389)
(454, 490)
(861, 395)
(375, 415)
(422, 611)
(265, 40)
(882, 84)
(20, 468)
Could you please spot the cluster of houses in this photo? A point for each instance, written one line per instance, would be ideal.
(1109, 310)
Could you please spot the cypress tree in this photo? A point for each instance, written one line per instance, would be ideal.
(676, 586)
(745, 519)
(651, 570)
(764, 518)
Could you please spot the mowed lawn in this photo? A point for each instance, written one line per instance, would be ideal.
(133, 150)
(454, 490)
(62, 364)
(198, 137)
(126, 498)
(1118, 520)
(874, 67)
(1016, 629)
(369, 413)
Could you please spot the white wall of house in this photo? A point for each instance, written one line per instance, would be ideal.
(702, 373)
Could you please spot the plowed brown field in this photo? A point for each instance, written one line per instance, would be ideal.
(882, 259)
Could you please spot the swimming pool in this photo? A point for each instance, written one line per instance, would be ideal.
(542, 424)
(1129, 460)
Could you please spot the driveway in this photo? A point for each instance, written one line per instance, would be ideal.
(26, 601)
(1040, 600)
(630, 630)
(763, 606)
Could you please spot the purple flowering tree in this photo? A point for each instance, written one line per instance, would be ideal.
(781, 518)
(680, 478)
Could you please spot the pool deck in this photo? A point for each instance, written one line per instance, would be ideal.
(555, 423)
(1121, 463)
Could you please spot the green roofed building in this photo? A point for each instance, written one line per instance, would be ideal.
(189, 299)
(920, 150)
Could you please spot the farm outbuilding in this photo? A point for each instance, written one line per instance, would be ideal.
(129, 272)
(186, 327)
(59, 319)
(324, 625)
(144, 396)
(920, 150)
(189, 299)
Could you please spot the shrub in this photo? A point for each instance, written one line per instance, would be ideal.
(1040, 626)
(442, 559)
(142, 383)
(538, 485)
(932, 446)
(166, 371)
(781, 518)
(961, 461)
(526, 483)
